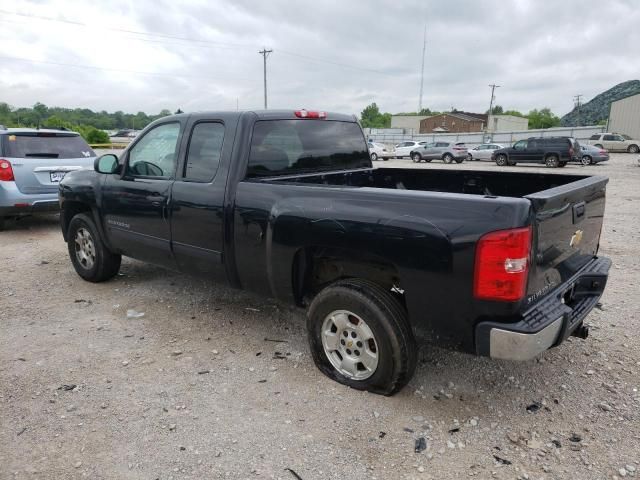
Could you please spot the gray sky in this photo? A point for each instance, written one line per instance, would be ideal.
(331, 55)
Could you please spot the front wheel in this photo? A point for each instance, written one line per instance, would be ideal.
(447, 158)
(360, 336)
(416, 157)
(374, 157)
(633, 149)
(89, 256)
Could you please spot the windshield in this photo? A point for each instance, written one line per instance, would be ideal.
(283, 147)
(46, 145)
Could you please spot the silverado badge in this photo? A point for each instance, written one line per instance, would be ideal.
(576, 238)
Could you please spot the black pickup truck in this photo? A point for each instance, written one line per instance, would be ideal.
(287, 204)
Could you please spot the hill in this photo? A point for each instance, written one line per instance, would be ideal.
(597, 109)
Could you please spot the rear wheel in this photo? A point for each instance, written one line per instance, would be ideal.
(90, 257)
(552, 161)
(360, 336)
(633, 149)
(447, 158)
(502, 160)
(374, 157)
(416, 157)
(586, 160)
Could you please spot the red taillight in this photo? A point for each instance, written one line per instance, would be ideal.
(6, 172)
(502, 265)
(306, 114)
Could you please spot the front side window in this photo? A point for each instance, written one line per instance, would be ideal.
(521, 145)
(618, 138)
(282, 147)
(203, 155)
(154, 155)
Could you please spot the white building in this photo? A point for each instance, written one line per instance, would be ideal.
(407, 122)
(624, 116)
(507, 123)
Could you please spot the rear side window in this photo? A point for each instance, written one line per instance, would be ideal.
(442, 144)
(205, 148)
(595, 137)
(46, 145)
(282, 147)
(608, 137)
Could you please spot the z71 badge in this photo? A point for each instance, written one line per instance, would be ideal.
(576, 238)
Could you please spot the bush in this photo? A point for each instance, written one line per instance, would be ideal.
(92, 134)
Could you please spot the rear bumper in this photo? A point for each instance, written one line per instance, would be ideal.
(550, 322)
(15, 203)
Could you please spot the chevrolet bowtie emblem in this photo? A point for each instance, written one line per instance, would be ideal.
(576, 238)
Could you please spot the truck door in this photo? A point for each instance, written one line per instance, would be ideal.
(135, 203)
(519, 151)
(197, 198)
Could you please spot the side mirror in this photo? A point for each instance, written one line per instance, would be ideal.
(107, 163)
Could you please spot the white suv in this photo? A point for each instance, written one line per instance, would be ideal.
(404, 149)
(614, 142)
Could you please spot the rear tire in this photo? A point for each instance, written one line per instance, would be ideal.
(353, 306)
(502, 160)
(416, 157)
(374, 157)
(633, 149)
(586, 160)
(447, 158)
(552, 161)
(89, 256)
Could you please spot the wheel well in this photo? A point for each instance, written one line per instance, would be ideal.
(70, 210)
(316, 267)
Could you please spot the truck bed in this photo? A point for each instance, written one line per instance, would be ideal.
(502, 184)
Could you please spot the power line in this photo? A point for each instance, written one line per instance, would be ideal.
(196, 42)
(265, 53)
(91, 67)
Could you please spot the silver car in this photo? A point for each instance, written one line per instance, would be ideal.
(590, 154)
(446, 151)
(32, 163)
(483, 152)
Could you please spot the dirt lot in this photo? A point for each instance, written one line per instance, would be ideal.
(197, 388)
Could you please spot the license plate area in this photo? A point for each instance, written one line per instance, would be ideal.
(56, 177)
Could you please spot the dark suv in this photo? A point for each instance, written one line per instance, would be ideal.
(552, 151)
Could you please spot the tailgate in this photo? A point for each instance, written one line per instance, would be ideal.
(567, 225)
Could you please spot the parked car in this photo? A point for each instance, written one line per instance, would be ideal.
(483, 152)
(380, 151)
(591, 154)
(446, 151)
(404, 149)
(614, 142)
(287, 204)
(552, 151)
(32, 163)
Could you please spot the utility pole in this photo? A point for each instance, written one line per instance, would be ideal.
(577, 102)
(424, 48)
(265, 53)
(493, 88)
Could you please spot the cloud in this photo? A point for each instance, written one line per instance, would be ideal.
(333, 55)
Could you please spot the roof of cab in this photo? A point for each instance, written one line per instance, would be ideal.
(262, 115)
(9, 131)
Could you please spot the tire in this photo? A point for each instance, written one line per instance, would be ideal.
(89, 256)
(552, 161)
(586, 160)
(374, 157)
(633, 149)
(502, 160)
(416, 157)
(447, 158)
(598, 145)
(341, 307)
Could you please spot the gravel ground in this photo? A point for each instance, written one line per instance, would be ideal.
(216, 383)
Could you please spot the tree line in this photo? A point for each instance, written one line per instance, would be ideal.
(372, 117)
(89, 124)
